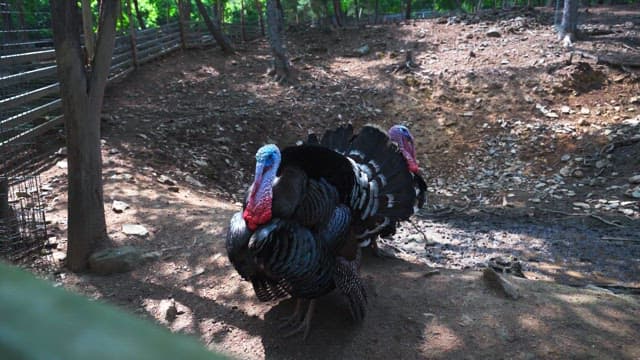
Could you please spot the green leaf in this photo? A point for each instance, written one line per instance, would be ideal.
(38, 321)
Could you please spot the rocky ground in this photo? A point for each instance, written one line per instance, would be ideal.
(532, 153)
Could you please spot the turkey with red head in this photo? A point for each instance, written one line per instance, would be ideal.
(296, 234)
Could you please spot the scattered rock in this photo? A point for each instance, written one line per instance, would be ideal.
(581, 205)
(363, 50)
(62, 164)
(635, 179)
(634, 193)
(119, 206)
(62, 151)
(134, 229)
(500, 284)
(191, 180)
(566, 171)
(565, 157)
(163, 179)
(493, 32)
(115, 260)
(602, 163)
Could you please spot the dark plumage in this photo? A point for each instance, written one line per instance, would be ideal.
(306, 211)
(342, 140)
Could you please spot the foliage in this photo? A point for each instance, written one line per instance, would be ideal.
(43, 322)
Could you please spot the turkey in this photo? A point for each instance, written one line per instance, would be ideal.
(341, 141)
(297, 233)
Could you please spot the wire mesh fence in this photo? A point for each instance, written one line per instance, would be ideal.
(23, 229)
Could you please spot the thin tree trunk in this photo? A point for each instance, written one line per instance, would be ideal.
(221, 39)
(243, 30)
(407, 15)
(21, 21)
(377, 12)
(132, 35)
(336, 12)
(274, 31)
(260, 16)
(7, 23)
(184, 14)
(139, 15)
(82, 93)
(568, 26)
(87, 29)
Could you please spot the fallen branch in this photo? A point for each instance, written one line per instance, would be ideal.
(594, 216)
(615, 238)
(610, 61)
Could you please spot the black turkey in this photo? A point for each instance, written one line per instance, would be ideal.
(297, 233)
(342, 141)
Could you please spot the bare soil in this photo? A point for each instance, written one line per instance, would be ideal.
(528, 152)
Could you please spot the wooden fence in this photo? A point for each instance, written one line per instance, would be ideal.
(29, 91)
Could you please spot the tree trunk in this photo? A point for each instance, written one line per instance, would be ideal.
(260, 16)
(568, 26)
(132, 35)
(274, 32)
(336, 12)
(87, 29)
(407, 14)
(184, 8)
(139, 15)
(377, 12)
(21, 21)
(243, 30)
(7, 24)
(82, 93)
(221, 39)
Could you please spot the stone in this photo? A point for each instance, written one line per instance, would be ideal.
(62, 164)
(565, 171)
(119, 206)
(191, 180)
(134, 229)
(363, 50)
(634, 193)
(635, 179)
(585, 111)
(578, 173)
(565, 157)
(581, 205)
(601, 163)
(493, 32)
(501, 284)
(565, 109)
(115, 260)
(163, 179)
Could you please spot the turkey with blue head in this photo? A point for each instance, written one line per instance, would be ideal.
(297, 234)
(342, 140)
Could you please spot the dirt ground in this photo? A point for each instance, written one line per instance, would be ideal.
(529, 154)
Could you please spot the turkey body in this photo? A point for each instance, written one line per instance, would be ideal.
(342, 140)
(297, 234)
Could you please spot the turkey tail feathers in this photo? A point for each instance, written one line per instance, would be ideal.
(391, 194)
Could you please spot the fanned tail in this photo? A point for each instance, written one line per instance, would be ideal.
(337, 140)
(386, 194)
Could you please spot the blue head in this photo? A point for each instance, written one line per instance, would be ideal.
(258, 209)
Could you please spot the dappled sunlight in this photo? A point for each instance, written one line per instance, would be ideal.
(440, 340)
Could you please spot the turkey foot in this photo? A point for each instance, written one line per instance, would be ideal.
(294, 318)
(382, 253)
(305, 324)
